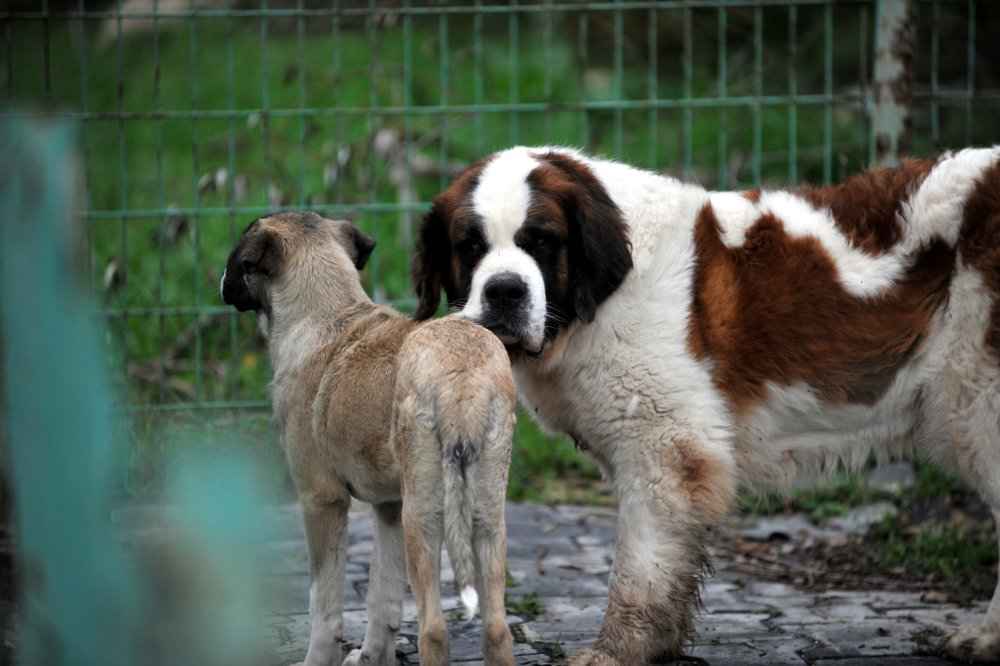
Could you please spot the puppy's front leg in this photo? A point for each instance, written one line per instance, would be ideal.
(387, 584)
(325, 518)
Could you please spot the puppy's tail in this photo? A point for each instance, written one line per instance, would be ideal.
(459, 513)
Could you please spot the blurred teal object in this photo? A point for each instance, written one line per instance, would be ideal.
(218, 535)
(81, 596)
(75, 600)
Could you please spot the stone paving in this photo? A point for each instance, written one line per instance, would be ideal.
(560, 557)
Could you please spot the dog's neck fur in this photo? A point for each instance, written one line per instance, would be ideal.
(311, 302)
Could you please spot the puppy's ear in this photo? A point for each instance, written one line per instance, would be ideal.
(600, 252)
(431, 257)
(359, 244)
(263, 252)
(259, 253)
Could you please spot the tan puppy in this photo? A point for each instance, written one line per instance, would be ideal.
(416, 418)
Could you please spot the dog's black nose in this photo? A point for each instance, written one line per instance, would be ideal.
(505, 291)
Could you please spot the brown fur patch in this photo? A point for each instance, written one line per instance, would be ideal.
(708, 481)
(599, 251)
(979, 244)
(547, 221)
(753, 196)
(865, 206)
(773, 310)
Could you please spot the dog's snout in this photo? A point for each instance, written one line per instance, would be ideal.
(505, 290)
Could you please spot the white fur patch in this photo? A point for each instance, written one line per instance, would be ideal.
(735, 215)
(938, 203)
(633, 405)
(510, 259)
(503, 196)
(860, 273)
(470, 599)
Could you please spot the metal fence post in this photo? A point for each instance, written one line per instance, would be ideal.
(895, 36)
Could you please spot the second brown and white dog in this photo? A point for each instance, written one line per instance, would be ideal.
(414, 418)
(698, 341)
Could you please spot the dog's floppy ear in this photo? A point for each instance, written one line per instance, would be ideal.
(359, 244)
(431, 257)
(263, 251)
(259, 253)
(600, 252)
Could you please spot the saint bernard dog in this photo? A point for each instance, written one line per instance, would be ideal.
(693, 342)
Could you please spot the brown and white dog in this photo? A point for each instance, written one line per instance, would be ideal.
(697, 341)
(414, 418)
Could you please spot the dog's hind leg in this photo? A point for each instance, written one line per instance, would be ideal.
(981, 467)
(325, 518)
(978, 642)
(423, 559)
(490, 551)
(490, 546)
(422, 525)
(387, 584)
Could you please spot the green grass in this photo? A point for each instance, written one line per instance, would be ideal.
(820, 501)
(541, 465)
(962, 558)
(932, 483)
(962, 555)
(934, 536)
(529, 607)
(157, 275)
(831, 498)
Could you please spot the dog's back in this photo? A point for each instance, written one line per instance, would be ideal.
(348, 384)
(457, 376)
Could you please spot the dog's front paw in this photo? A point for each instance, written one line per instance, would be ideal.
(592, 657)
(975, 642)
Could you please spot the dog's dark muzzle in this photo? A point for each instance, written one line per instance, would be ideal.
(236, 293)
(505, 292)
(505, 306)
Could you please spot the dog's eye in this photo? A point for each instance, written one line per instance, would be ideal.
(470, 249)
(541, 246)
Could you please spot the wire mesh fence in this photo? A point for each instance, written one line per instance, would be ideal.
(195, 116)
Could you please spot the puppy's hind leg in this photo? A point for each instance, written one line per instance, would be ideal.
(422, 526)
(385, 591)
(325, 518)
(490, 545)
(490, 549)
